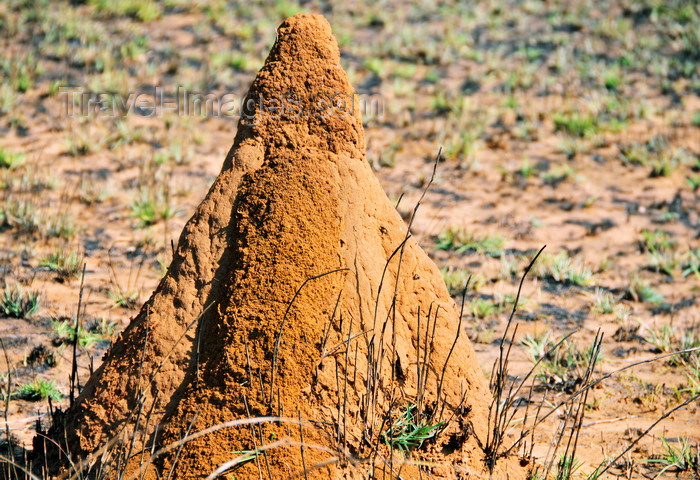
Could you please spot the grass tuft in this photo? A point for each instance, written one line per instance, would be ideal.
(408, 431)
(16, 302)
(65, 332)
(151, 206)
(678, 459)
(461, 241)
(562, 268)
(65, 263)
(39, 389)
(641, 291)
(560, 360)
(143, 10)
(11, 160)
(20, 214)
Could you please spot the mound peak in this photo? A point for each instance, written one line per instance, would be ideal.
(296, 292)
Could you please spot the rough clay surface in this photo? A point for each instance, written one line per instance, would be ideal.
(296, 292)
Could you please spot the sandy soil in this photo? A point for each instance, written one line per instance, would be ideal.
(496, 100)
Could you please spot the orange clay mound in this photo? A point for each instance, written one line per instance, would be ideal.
(295, 292)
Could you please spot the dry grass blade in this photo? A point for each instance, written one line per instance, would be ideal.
(592, 384)
(500, 413)
(74, 381)
(646, 432)
(576, 412)
(16, 467)
(201, 433)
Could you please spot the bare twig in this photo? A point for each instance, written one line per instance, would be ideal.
(499, 415)
(643, 434)
(583, 389)
(76, 332)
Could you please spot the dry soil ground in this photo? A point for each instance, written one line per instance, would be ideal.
(573, 124)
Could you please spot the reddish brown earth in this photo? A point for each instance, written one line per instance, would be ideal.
(488, 82)
(295, 291)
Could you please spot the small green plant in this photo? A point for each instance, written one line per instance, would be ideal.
(134, 48)
(612, 80)
(461, 241)
(287, 8)
(17, 302)
(464, 146)
(8, 97)
(537, 345)
(386, 157)
(93, 192)
(433, 76)
(238, 61)
(689, 339)
(563, 269)
(666, 339)
(692, 375)
(668, 217)
(665, 261)
(65, 332)
(143, 10)
(80, 143)
(375, 65)
(481, 308)
(175, 149)
(691, 264)
(557, 175)
(621, 313)
(60, 225)
(657, 154)
(20, 214)
(104, 327)
(65, 263)
(151, 206)
(579, 275)
(662, 251)
(567, 467)
(10, 160)
(526, 170)
(439, 102)
(693, 182)
(576, 124)
(509, 266)
(695, 119)
(662, 338)
(571, 146)
(408, 431)
(505, 302)
(677, 459)
(641, 291)
(125, 134)
(635, 154)
(20, 71)
(656, 240)
(560, 361)
(124, 299)
(662, 167)
(606, 264)
(455, 279)
(39, 389)
(603, 301)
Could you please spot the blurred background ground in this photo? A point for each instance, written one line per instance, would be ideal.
(574, 124)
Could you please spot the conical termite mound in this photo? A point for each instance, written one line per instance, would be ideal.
(299, 325)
